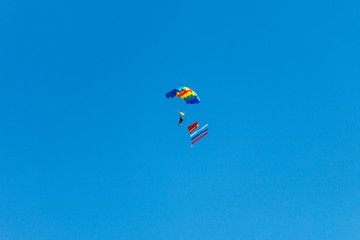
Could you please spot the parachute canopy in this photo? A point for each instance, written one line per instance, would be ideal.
(181, 113)
(185, 93)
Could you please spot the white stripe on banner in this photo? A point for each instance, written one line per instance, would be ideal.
(198, 130)
(205, 130)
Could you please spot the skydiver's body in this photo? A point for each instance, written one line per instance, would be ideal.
(180, 121)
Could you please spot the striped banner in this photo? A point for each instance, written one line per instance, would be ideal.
(199, 138)
(196, 136)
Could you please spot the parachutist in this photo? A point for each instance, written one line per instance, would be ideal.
(180, 121)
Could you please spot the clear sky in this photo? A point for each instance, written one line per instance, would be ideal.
(90, 147)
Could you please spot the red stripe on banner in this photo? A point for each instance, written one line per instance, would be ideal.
(199, 138)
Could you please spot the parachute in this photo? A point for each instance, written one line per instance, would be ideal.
(190, 97)
(185, 93)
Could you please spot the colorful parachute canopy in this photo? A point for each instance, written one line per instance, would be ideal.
(196, 136)
(185, 93)
(193, 127)
(181, 113)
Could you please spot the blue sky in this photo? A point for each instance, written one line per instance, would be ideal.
(90, 147)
